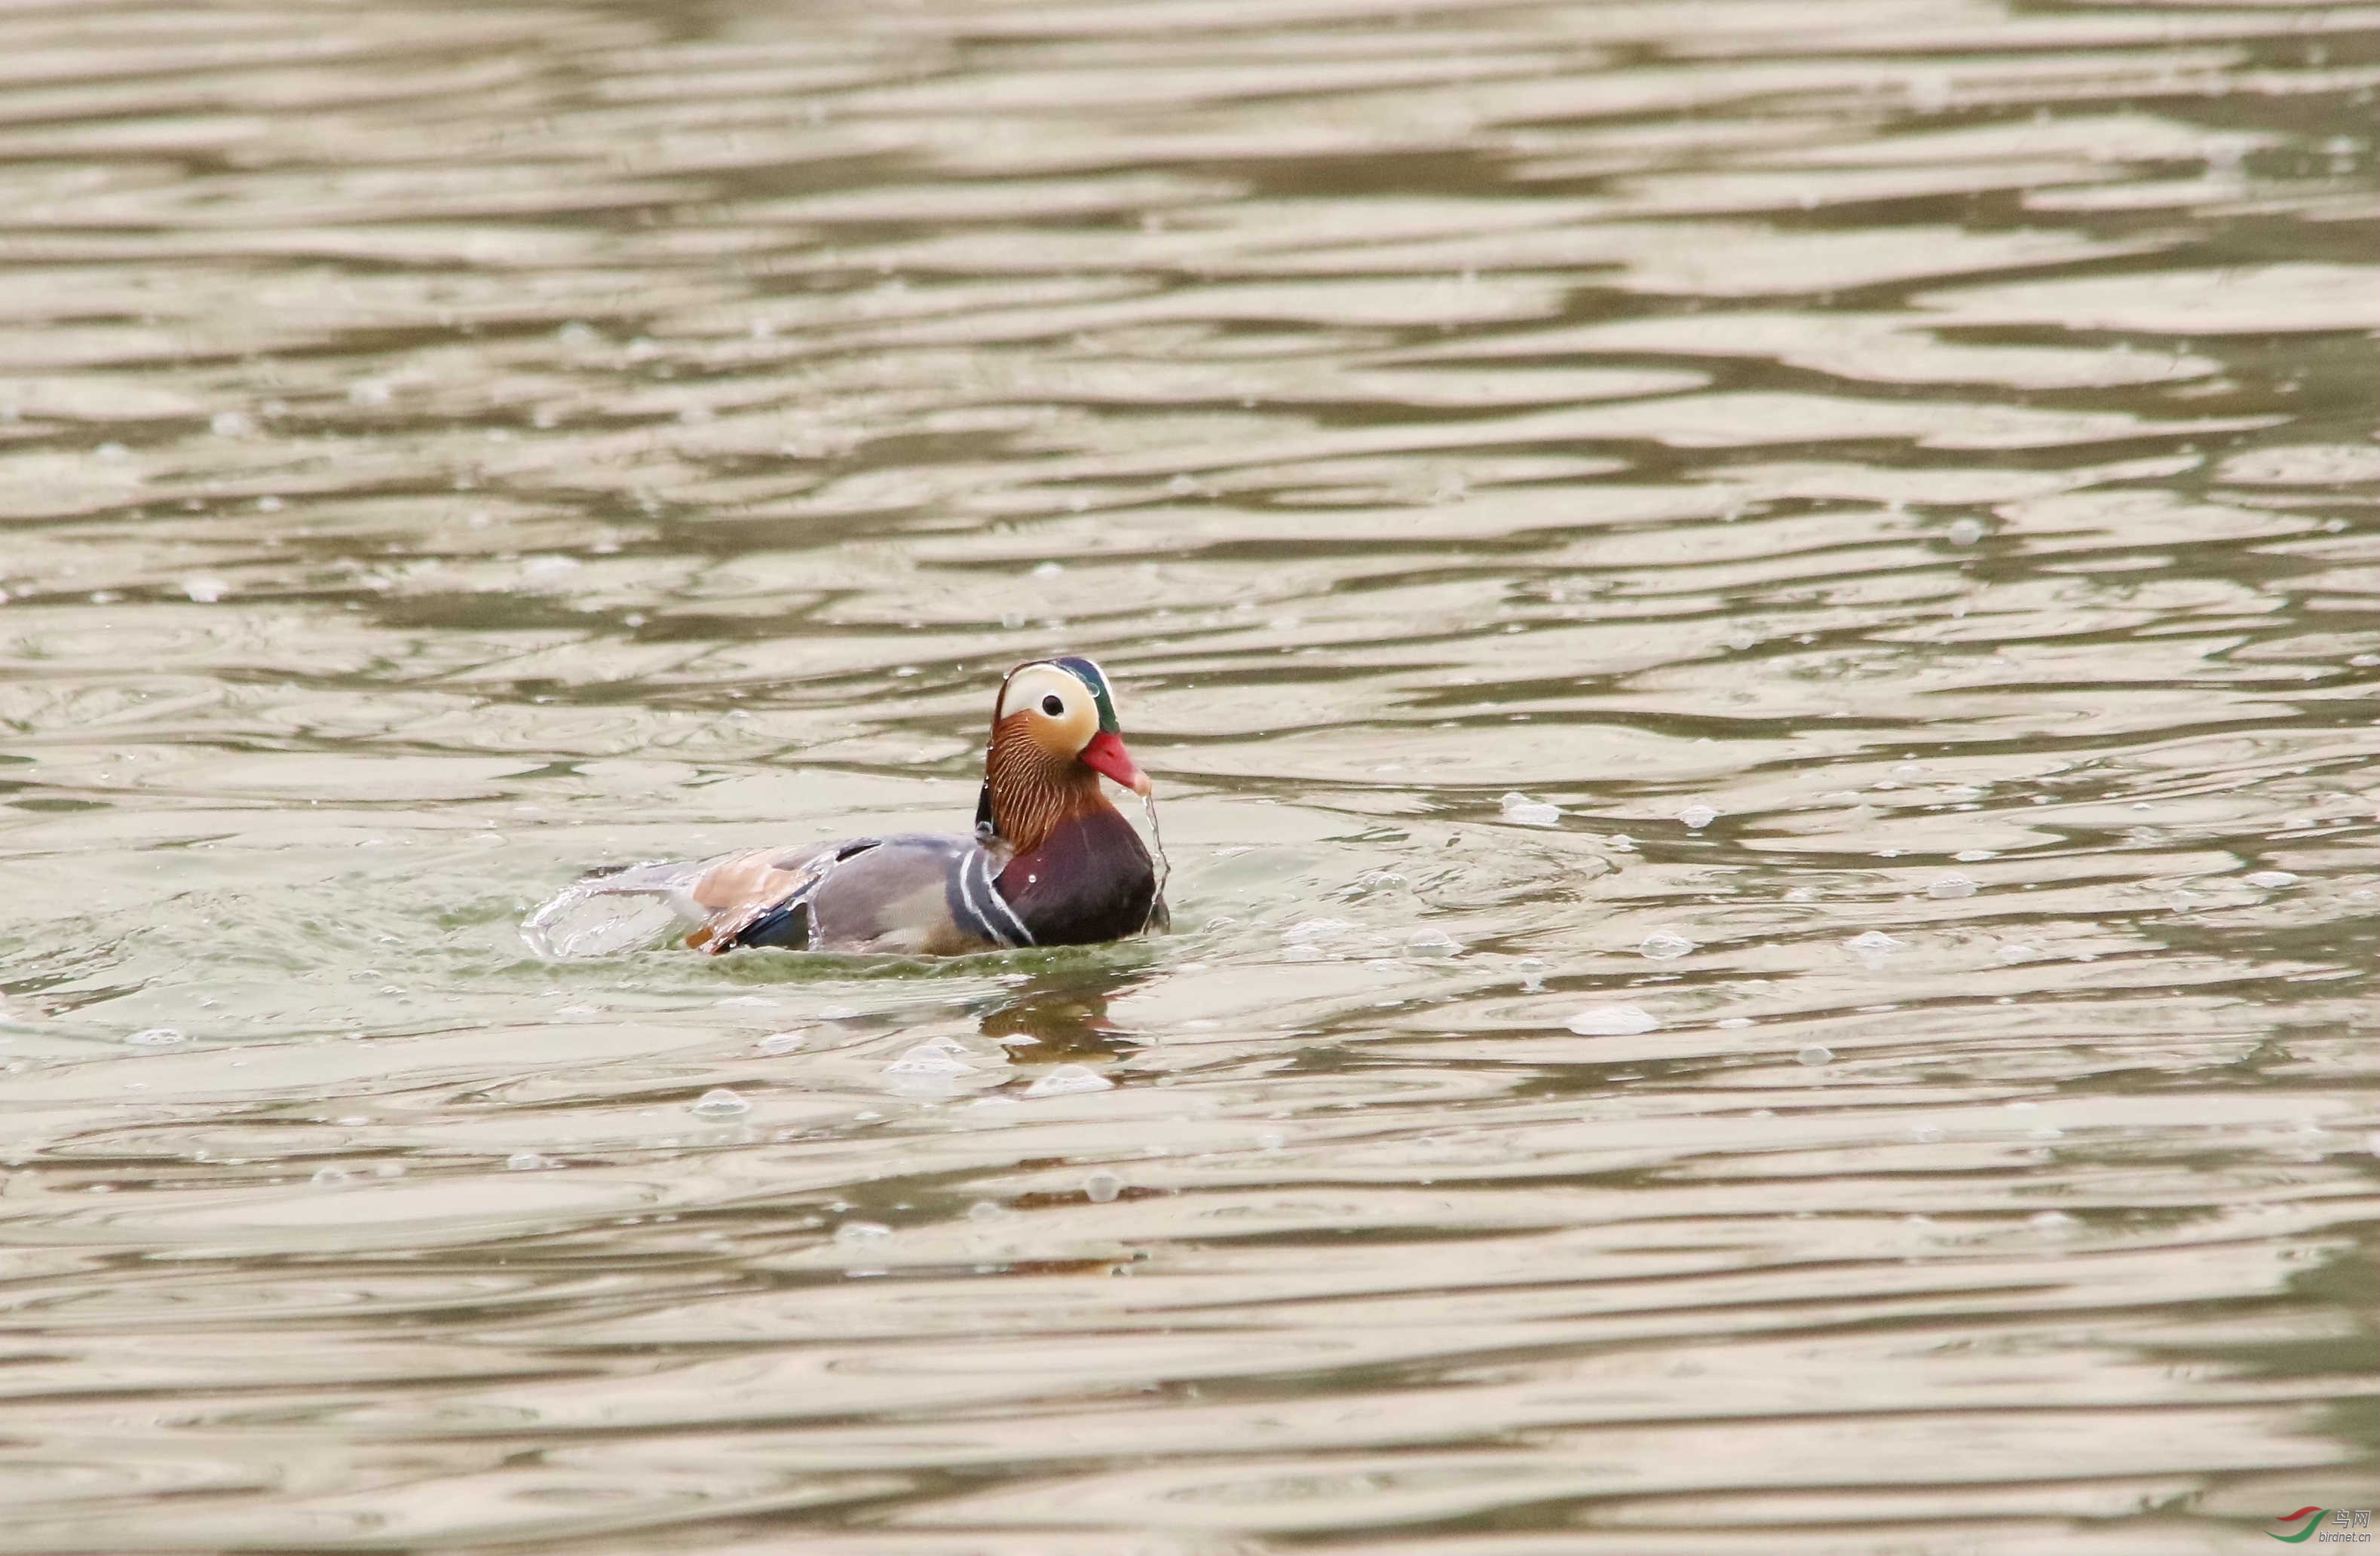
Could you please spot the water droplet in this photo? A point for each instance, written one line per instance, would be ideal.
(2012, 951)
(1049, 570)
(157, 1037)
(984, 1210)
(1976, 856)
(1734, 1023)
(1951, 886)
(231, 424)
(720, 1103)
(1522, 811)
(1102, 1186)
(1966, 532)
(2050, 1218)
(367, 392)
(2271, 880)
(1664, 945)
(527, 1161)
(839, 1012)
(1816, 1053)
(1532, 973)
(1697, 817)
(858, 1232)
(1612, 1021)
(205, 591)
(1432, 943)
(1068, 1079)
(1874, 943)
(329, 1177)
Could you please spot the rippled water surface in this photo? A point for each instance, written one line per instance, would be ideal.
(1757, 624)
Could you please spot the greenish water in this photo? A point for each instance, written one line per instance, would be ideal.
(1756, 628)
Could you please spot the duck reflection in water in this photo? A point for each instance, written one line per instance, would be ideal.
(1066, 1018)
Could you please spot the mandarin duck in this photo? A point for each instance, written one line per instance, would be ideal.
(1050, 862)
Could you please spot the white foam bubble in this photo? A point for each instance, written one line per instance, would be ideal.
(1307, 931)
(1950, 886)
(1068, 1079)
(2271, 880)
(1612, 1021)
(1102, 1186)
(1697, 817)
(720, 1103)
(1664, 945)
(1522, 811)
(931, 1060)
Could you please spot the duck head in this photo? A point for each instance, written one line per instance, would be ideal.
(1054, 733)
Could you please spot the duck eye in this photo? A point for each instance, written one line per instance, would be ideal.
(1051, 706)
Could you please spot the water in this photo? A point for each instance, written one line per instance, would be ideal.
(1810, 453)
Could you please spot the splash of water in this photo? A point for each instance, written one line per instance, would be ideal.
(1164, 865)
(584, 920)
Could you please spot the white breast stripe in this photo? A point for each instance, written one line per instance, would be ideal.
(992, 891)
(967, 894)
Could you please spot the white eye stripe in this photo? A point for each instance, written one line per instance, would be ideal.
(1035, 685)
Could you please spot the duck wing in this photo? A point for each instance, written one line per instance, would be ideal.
(929, 894)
